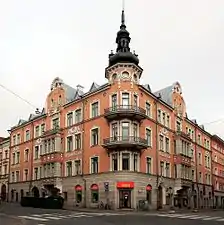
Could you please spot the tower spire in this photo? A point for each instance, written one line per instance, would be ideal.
(122, 14)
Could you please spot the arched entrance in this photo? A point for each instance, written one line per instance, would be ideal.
(3, 192)
(35, 192)
(160, 197)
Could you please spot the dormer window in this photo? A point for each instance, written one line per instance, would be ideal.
(114, 77)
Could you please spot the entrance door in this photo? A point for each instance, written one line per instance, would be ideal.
(125, 198)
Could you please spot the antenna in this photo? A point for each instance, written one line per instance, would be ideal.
(123, 4)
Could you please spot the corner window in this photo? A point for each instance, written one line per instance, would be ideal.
(125, 161)
(125, 100)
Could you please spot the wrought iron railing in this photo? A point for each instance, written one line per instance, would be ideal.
(125, 139)
(125, 108)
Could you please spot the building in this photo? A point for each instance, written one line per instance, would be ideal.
(116, 144)
(4, 167)
(218, 170)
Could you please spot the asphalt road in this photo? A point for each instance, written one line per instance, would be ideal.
(16, 215)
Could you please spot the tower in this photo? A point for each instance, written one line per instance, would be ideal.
(124, 64)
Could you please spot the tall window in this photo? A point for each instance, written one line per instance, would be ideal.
(125, 161)
(161, 140)
(125, 131)
(114, 162)
(148, 109)
(26, 156)
(135, 130)
(114, 101)
(69, 144)
(135, 101)
(125, 100)
(17, 176)
(135, 162)
(167, 170)
(162, 168)
(55, 123)
(69, 119)
(13, 158)
(18, 157)
(94, 165)
(167, 144)
(95, 136)
(78, 115)
(114, 129)
(78, 141)
(69, 168)
(77, 167)
(42, 128)
(27, 135)
(148, 165)
(37, 131)
(148, 137)
(35, 173)
(95, 109)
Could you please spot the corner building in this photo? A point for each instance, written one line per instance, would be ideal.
(118, 143)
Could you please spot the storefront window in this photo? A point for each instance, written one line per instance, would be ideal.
(78, 193)
(95, 193)
(149, 193)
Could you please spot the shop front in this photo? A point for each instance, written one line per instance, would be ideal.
(125, 193)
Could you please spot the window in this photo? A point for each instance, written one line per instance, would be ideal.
(199, 158)
(17, 157)
(148, 109)
(13, 176)
(17, 176)
(78, 141)
(159, 115)
(77, 167)
(55, 123)
(6, 154)
(168, 121)
(135, 163)
(125, 161)
(18, 139)
(161, 140)
(114, 162)
(135, 101)
(148, 165)
(135, 131)
(42, 128)
(95, 109)
(26, 156)
(192, 175)
(69, 168)
(27, 135)
(94, 165)
(178, 126)
(164, 118)
(78, 115)
(94, 136)
(69, 144)
(36, 152)
(167, 145)
(167, 170)
(69, 119)
(125, 131)
(114, 130)
(35, 173)
(125, 100)
(13, 158)
(162, 168)
(148, 135)
(114, 101)
(14, 140)
(37, 131)
(53, 144)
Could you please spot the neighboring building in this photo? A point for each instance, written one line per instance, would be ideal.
(218, 170)
(4, 167)
(117, 143)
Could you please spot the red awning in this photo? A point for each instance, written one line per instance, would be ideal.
(148, 187)
(125, 184)
(94, 187)
(78, 187)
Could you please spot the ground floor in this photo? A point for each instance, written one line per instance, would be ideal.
(219, 200)
(119, 190)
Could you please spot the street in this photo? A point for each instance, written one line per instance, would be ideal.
(16, 215)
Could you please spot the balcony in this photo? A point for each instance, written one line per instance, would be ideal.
(125, 142)
(51, 157)
(125, 111)
(182, 159)
(54, 131)
(182, 182)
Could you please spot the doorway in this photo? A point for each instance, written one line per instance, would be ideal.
(124, 199)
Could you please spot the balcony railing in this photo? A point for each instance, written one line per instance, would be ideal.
(125, 142)
(127, 111)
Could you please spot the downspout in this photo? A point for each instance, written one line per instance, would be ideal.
(9, 174)
(83, 158)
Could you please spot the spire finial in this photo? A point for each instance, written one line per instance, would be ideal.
(122, 15)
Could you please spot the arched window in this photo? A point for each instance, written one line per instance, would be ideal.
(149, 193)
(94, 193)
(78, 193)
(114, 77)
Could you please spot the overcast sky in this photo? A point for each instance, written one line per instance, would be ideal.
(176, 40)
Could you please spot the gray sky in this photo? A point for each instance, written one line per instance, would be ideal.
(177, 40)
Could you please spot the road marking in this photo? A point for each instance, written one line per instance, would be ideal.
(212, 218)
(52, 218)
(33, 218)
(220, 219)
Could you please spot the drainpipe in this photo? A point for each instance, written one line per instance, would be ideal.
(83, 158)
(9, 173)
